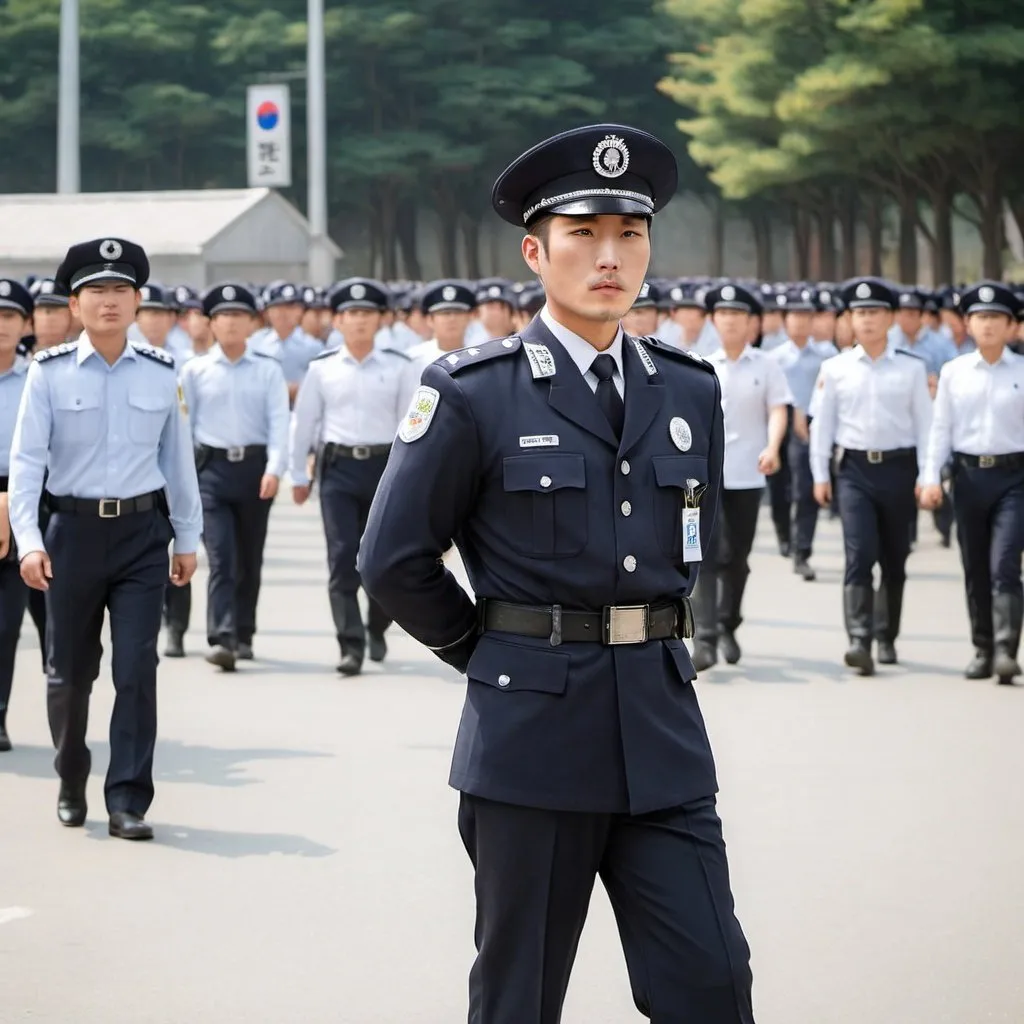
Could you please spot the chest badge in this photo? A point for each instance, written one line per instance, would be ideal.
(679, 431)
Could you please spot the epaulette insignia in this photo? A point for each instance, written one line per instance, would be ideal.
(58, 350)
(655, 345)
(463, 358)
(907, 352)
(322, 355)
(158, 355)
(267, 355)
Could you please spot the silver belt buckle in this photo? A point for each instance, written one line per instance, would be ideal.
(626, 624)
(986, 461)
(874, 457)
(361, 452)
(106, 504)
(237, 453)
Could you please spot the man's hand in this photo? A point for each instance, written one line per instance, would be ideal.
(300, 493)
(268, 486)
(768, 462)
(823, 494)
(930, 497)
(183, 568)
(36, 570)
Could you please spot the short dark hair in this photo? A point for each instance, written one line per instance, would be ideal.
(541, 230)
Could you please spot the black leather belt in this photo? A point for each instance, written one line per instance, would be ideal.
(239, 453)
(359, 452)
(105, 508)
(877, 457)
(613, 625)
(1012, 460)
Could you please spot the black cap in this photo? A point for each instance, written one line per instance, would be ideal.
(314, 298)
(649, 296)
(800, 299)
(495, 289)
(909, 298)
(441, 296)
(359, 293)
(600, 168)
(186, 298)
(154, 296)
(989, 297)
(223, 298)
(47, 292)
(949, 299)
(686, 294)
(532, 298)
(281, 293)
(731, 296)
(868, 293)
(827, 299)
(103, 259)
(14, 295)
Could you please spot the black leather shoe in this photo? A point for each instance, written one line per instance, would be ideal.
(785, 548)
(803, 569)
(244, 652)
(350, 665)
(5, 740)
(730, 649)
(222, 658)
(980, 666)
(859, 657)
(378, 647)
(705, 655)
(71, 806)
(125, 825)
(1005, 667)
(886, 652)
(174, 647)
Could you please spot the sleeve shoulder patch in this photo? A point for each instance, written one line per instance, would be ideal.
(58, 350)
(677, 354)
(158, 355)
(464, 358)
(421, 412)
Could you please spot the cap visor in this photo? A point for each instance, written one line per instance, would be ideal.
(100, 275)
(357, 304)
(633, 205)
(12, 304)
(231, 307)
(743, 307)
(450, 307)
(870, 304)
(990, 307)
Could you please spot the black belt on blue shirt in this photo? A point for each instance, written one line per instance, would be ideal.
(106, 508)
(239, 453)
(1011, 460)
(613, 625)
(875, 457)
(360, 452)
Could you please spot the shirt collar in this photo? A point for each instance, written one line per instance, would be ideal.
(861, 353)
(719, 355)
(86, 349)
(216, 352)
(979, 360)
(20, 366)
(580, 350)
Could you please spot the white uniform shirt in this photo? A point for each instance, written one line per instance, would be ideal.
(583, 354)
(979, 410)
(752, 386)
(867, 404)
(349, 402)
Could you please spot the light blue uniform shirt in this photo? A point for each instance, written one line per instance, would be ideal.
(935, 349)
(294, 353)
(801, 366)
(12, 383)
(103, 432)
(240, 403)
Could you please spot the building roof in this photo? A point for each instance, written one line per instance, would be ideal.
(41, 226)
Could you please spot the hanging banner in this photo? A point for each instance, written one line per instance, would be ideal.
(269, 136)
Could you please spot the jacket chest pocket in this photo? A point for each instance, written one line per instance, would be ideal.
(147, 415)
(77, 419)
(674, 475)
(546, 504)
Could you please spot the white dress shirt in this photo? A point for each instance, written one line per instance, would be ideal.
(979, 410)
(345, 401)
(583, 354)
(752, 386)
(867, 404)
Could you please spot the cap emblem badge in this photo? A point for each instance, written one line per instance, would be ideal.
(986, 294)
(228, 293)
(448, 293)
(358, 291)
(611, 157)
(863, 290)
(728, 293)
(111, 249)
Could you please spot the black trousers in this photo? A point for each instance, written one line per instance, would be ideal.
(667, 877)
(119, 566)
(804, 508)
(989, 507)
(718, 598)
(347, 487)
(178, 607)
(13, 599)
(235, 522)
(781, 490)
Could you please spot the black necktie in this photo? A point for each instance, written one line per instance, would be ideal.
(608, 397)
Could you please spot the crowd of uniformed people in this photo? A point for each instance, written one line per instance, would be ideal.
(864, 398)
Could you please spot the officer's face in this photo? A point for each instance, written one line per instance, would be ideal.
(772, 322)
(823, 326)
(990, 330)
(449, 326)
(231, 327)
(640, 321)
(198, 326)
(843, 332)
(954, 322)
(358, 325)
(418, 322)
(592, 267)
(12, 326)
(690, 319)
(106, 307)
(798, 326)
(496, 318)
(52, 325)
(284, 318)
(156, 324)
(733, 326)
(909, 321)
(871, 325)
(311, 322)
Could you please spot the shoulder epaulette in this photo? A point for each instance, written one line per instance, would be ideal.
(463, 358)
(58, 350)
(395, 352)
(907, 352)
(267, 355)
(680, 355)
(322, 355)
(158, 355)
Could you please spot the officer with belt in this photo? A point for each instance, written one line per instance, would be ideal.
(15, 312)
(349, 407)
(874, 410)
(237, 400)
(578, 471)
(979, 422)
(100, 420)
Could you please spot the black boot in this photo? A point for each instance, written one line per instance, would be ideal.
(858, 602)
(1007, 613)
(5, 740)
(704, 605)
(980, 666)
(175, 646)
(888, 612)
(802, 568)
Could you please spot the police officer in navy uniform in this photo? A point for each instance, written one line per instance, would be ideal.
(101, 419)
(979, 422)
(578, 471)
(15, 312)
(874, 410)
(348, 409)
(237, 400)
